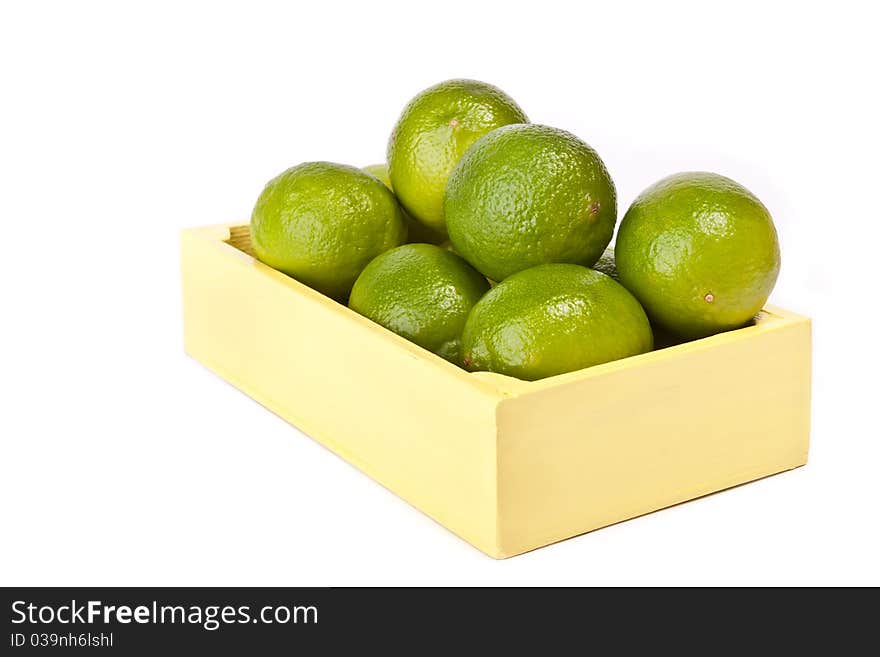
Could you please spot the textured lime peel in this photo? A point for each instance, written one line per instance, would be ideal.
(433, 132)
(553, 319)
(321, 223)
(421, 292)
(417, 232)
(527, 195)
(700, 252)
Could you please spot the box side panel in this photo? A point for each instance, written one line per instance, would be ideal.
(607, 448)
(415, 428)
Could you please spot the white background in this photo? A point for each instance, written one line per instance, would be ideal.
(124, 462)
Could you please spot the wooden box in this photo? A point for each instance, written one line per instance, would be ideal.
(508, 465)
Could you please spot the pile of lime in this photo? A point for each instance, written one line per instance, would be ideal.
(484, 239)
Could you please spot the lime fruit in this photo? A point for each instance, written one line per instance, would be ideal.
(527, 195)
(422, 292)
(416, 231)
(607, 265)
(433, 132)
(552, 319)
(321, 223)
(700, 252)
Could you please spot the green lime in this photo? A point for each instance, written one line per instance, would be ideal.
(321, 223)
(526, 195)
(700, 252)
(422, 292)
(433, 132)
(607, 265)
(417, 231)
(552, 319)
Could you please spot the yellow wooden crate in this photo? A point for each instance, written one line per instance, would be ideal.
(508, 465)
